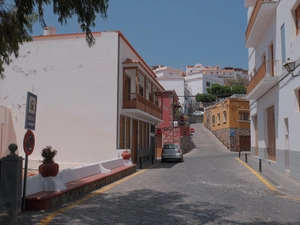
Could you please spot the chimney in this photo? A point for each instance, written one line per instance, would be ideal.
(49, 30)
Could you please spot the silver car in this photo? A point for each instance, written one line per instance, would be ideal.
(172, 152)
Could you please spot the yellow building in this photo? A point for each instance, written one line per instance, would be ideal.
(229, 121)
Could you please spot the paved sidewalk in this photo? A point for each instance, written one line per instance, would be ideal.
(281, 182)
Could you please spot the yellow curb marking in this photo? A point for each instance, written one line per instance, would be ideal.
(270, 186)
(50, 217)
(287, 197)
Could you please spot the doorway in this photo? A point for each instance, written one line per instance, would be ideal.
(134, 137)
(271, 133)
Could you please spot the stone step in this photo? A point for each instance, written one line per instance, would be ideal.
(50, 199)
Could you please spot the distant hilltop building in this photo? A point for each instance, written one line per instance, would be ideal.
(225, 73)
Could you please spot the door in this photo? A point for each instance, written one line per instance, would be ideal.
(152, 142)
(134, 140)
(255, 134)
(271, 133)
(245, 142)
(158, 146)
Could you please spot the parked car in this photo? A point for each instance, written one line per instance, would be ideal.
(198, 113)
(171, 152)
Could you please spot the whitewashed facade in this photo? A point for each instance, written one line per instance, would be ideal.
(85, 109)
(174, 79)
(199, 82)
(272, 36)
(216, 71)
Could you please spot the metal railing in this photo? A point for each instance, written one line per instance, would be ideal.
(267, 68)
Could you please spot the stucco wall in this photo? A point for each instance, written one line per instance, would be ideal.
(77, 96)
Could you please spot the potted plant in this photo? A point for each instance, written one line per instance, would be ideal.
(49, 167)
(126, 154)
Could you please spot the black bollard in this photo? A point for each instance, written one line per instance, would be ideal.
(246, 160)
(259, 166)
(152, 159)
(140, 162)
(239, 154)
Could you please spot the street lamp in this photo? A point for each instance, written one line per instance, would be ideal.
(289, 65)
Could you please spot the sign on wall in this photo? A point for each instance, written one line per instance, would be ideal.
(30, 114)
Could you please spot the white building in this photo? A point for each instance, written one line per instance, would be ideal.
(91, 101)
(216, 71)
(199, 82)
(174, 79)
(272, 36)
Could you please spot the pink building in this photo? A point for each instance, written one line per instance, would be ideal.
(174, 128)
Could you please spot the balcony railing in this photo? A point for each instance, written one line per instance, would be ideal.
(136, 101)
(269, 68)
(253, 16)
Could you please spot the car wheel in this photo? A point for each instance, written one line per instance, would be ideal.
(162, 160)
(181, 160)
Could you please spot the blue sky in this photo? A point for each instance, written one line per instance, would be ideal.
(175, 33)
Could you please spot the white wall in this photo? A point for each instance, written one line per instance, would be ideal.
(77, 96)
(197, 82)
(174, 84)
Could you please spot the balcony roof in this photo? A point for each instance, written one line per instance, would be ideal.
(262, 87)
(139, 114)
(262, 19)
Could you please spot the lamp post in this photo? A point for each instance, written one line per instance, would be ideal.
(289, 65)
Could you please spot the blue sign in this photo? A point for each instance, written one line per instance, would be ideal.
(30, 115)
(231, 132)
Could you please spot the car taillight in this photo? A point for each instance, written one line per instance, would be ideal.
(179, 151)
(162, 151)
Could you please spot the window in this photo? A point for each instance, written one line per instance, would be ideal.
(141, 90)
(213, 120)
(283, 54)
(224, 117)
(244, 116)
(207, 84)
(297, 19)
(218, 118)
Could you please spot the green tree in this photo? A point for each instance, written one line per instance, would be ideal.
(239, 89)
(17, 17)
(205, 98)
(219, 90)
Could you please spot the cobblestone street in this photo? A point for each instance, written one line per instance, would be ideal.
(210, 187)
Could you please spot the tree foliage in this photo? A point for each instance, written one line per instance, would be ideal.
(224, 91)
(219, 90)
(239, 89)
(17, 17)
(205, 98)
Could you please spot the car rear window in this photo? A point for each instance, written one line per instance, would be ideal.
(170, 146)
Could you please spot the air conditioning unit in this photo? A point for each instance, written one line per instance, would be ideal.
(175, 123)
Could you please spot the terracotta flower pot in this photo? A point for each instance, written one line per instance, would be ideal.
(49, 169)
(126, 155)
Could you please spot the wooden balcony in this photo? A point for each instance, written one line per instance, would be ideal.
(257, 78)
(258, 21)
(266, 76)
(136, 101)
(253, 17)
